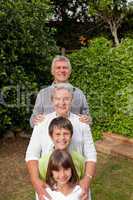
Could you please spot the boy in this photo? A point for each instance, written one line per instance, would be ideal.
(61, 131)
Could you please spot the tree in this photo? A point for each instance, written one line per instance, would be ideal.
(71, 21)
(111, 12)
(26, 50)
(70, 10)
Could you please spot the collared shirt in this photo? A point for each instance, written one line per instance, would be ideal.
(82, 141)
(44, 104)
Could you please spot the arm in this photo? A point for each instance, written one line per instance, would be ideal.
(34, 147)
(38, 109)
(85, 106)
(84, 113)
(90, 154)
(38, 184)
(85, 182)
(89, 151)
(32, 155)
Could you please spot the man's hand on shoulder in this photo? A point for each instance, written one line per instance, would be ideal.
(40, 187)
(85, 119)
(38, 118)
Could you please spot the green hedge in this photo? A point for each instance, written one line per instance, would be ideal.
(105, 74)
(27, 47)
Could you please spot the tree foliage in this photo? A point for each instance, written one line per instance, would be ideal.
(71, 21)
(111, 12)
(26, 49)
(105, 74)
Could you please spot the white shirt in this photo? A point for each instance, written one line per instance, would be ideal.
(82, 142)
(56, 195)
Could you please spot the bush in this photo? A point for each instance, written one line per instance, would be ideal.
(106, 76)
(26, 49)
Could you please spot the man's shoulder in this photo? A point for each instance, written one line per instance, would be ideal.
(44, 158)
(45, 89)
(77, 90)
(77, 156)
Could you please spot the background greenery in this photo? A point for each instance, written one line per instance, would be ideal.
(28, 44)
(26, 49)
(105, 74)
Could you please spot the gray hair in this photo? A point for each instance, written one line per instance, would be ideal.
(61, 58)
(64, 86)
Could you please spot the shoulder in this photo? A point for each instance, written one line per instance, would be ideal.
(45, 90)
(45, 122)
(77, 156)
(78, 91)
(44, 159)
(77, 191)
(76, 119)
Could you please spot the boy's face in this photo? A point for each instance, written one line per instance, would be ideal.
(61, 138)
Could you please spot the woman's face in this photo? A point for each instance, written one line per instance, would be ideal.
(62, 100)
(62, 176)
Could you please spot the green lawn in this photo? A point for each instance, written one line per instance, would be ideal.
(114, 180)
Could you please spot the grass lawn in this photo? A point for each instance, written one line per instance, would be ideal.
(114, 180)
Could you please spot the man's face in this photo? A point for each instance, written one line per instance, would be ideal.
(61, 138)
(61, 72)
(62, 100)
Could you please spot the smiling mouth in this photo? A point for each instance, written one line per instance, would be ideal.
(62, 143)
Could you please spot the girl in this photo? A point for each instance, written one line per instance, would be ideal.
(62, 178)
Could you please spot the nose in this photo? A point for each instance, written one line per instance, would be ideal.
(62, 173)
(62, 136)
(62, 69)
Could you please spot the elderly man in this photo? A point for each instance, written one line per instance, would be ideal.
(40, 142)
(61, 70)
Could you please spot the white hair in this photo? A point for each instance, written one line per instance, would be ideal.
(60, 58)
(64, 86)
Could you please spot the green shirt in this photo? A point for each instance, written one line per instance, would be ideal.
(78, 160)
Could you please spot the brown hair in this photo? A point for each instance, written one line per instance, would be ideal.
(60, 158)
(60, 122)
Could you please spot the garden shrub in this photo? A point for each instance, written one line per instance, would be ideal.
(105, 74)
(27, 47)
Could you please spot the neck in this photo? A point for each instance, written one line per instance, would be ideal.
(65, 189)
(56, 82)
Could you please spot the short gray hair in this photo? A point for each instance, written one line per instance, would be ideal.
(65, 86)
(61, 58)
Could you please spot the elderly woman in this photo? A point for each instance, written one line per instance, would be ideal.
(40, 142)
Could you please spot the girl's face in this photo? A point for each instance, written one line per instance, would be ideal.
(62, 176)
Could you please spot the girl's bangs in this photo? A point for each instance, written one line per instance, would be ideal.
(62, 163)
